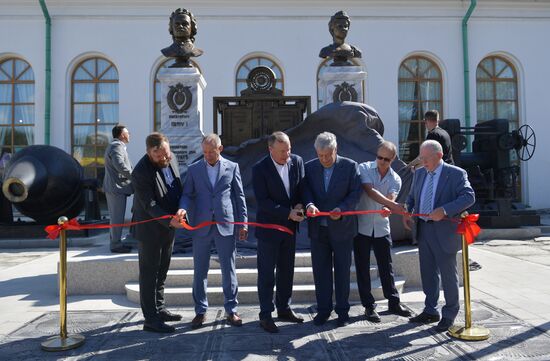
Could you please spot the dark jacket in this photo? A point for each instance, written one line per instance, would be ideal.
(343, 192)
(274, 204)
(150, 201)
(442, 137)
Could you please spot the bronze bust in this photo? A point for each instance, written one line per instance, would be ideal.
(183, 28)
(339, 50)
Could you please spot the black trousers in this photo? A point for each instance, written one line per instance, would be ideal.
(154, 261)
(275, 254)
(382, 251)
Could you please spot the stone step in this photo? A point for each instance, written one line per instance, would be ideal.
(246, 276)
(99, 272)
(182, 296)
(302, 259)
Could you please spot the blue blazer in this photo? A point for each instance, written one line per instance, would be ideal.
(224, 202)
(274, 204)
(453, 193)
(343, 192)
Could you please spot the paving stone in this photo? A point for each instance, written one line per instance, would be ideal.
(118, 335)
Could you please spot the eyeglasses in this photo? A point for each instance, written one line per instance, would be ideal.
(384, 158)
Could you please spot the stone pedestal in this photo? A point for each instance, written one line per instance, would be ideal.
(182, 112)
(341, 83)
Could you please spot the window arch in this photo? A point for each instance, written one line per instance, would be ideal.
(420, 88)
(497, 90)
(94, 112)
(497, 97)
(16, 106)
(157, 92)
(250, 63)
(325, 64)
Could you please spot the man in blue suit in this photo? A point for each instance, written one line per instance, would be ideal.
(441, 191)
(333, 184)
(277, 179)
(213, 191)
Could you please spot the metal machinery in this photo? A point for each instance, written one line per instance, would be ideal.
(493, 168)
(44, 183)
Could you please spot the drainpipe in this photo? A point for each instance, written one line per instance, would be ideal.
(473, 4)
(47, 98)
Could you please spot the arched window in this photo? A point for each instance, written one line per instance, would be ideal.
(420, 89)
(497, 97)
(497, 91)
(250, 63)
(16, 106)
(94, 112)
(325, 64)
(157, 92)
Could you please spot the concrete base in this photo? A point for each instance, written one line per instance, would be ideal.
(98, 272)
(509, 233)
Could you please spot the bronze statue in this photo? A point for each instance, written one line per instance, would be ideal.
(339, 50)
(183, 28)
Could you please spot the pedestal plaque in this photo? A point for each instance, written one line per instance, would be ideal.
(341, 83)
(181, 112)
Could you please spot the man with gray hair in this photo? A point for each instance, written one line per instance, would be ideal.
(438, 190)
(277, 179)
(213, 191)
(333, 184)
(381, 186)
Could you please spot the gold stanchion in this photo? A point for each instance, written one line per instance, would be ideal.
(467, 331)
(63, 341)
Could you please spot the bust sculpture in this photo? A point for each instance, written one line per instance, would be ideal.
(183, 28)
(339, 50)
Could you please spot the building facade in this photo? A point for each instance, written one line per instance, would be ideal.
(105, 56)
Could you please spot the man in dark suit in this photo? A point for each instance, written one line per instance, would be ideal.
(117, 184)
(277, 179)
(213, 191)
(157, 187)
(333, 184)
(439, 190)
(435, 132)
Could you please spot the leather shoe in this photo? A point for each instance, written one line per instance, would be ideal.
(424, 318)
(198, 321)
(168, 316)
(372, 315)
(320, 319)
(268, 325)
(399, 310)
(343, 320)
(444, 324)
(289, 316)
(121, 249)
(234, 319)
(157, 326)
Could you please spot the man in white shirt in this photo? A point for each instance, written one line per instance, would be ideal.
(381, 186)
(277, 180)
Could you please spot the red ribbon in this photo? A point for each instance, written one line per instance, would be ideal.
(73, 225)
(384, 212)
(466, 225)
(254, 224)
(469, 228)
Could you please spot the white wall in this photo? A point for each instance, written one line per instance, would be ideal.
(131, 34)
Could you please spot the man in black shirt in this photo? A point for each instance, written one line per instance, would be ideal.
(435, 132)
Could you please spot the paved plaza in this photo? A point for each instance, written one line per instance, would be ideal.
(511, 297)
